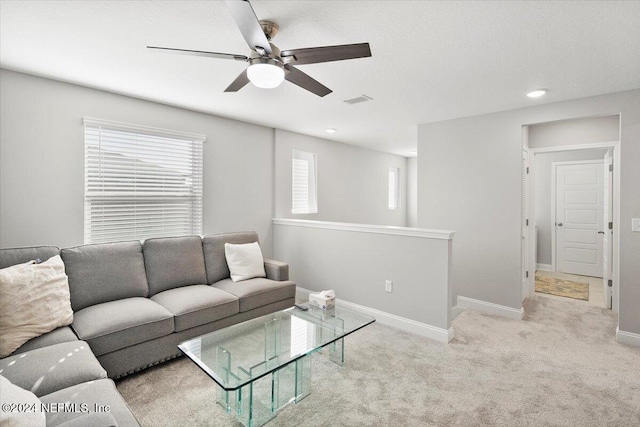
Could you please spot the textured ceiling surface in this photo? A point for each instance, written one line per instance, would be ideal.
(431, 60)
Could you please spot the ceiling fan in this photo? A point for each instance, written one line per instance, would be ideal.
(268, 65)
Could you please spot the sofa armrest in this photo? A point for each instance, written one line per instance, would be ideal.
(276, 270)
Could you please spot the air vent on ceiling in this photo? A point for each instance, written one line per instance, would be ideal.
(357, 100)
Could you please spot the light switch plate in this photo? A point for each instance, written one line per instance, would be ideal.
(635, 225)
(388, 285)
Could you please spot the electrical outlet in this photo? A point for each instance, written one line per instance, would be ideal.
(635, 224)
(388, 285)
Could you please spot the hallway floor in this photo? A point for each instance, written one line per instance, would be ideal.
(596, 297)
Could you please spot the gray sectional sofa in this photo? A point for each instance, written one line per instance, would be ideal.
(133, 304)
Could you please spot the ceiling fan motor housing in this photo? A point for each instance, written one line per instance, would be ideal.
(269, 28)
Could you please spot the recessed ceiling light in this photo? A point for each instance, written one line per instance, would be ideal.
(537, 93)
(332, 130)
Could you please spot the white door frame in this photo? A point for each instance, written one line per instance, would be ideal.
(554, 166)
(615, 145)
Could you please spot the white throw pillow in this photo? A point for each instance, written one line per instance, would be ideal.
(20, 407)
(34, 300)
(244, 261)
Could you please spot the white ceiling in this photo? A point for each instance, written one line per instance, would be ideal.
(431, 60)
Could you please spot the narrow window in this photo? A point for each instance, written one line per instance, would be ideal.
(304, 190)
(394, 188)
(140, 182)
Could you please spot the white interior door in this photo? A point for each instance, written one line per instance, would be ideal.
(579, 216)
(525, 225)
(606, 231)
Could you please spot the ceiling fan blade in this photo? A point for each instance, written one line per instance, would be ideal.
(201, 53)
(303, 80)
(247, 21)
(240, 82)
(314, 55)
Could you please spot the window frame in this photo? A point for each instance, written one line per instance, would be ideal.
(311, 182)
(101, 194)
(393, 188)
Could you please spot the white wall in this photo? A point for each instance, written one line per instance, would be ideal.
(573, 132)
(352, 181)
(42, 161)
(543, 194)
(469, 181)
(355, 264)
(412, 192)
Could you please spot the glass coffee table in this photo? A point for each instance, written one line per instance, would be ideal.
(263, 364)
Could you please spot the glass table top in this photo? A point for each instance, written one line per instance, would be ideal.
(239, 354)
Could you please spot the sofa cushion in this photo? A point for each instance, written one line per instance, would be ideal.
(52, 368)
(105, 272)
(118, 324)
(214, 257)
(34, 300)
(254, 293)
(91, 394)
(197, 305)
(57, 336)
(173, 262)
(13, 256)
(11, 394)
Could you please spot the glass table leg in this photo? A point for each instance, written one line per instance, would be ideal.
(336, 352)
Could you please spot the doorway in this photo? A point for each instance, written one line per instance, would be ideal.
(590, 236)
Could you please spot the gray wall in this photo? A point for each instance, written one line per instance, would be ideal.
(469, 181)
(356, 264)
(42, 161)
(412, 192)
(352, 181)
(543, 193)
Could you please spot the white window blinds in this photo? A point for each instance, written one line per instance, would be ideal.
(394, 188)
(141, 182)
(304, 191)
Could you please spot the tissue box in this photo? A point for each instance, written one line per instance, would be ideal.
(323, 302)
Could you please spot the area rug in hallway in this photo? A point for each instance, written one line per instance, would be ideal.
(562, 288)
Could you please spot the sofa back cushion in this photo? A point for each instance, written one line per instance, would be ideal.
(214, 257)
(105, 272)
(13, 256)
(173, 262)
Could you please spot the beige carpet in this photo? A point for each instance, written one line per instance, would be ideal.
(560, 366)
(562, 287)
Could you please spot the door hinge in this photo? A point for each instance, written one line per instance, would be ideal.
(527, 169)
(610, 283)
(610, 168)
(527, 222)
(611, 226)
(527, 275)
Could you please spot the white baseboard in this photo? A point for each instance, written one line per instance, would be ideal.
(627, 338)
(491, 308)
(456, 311)
(402, 323)
(544, 267)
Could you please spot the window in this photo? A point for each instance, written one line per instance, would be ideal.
(140, 182)
(394, 188)
(304, 199)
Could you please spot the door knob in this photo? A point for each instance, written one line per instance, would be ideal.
(600, 232)
(559, 224)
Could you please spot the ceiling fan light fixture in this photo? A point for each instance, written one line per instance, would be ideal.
(265, 73)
